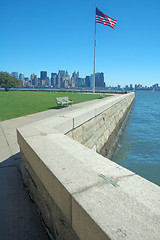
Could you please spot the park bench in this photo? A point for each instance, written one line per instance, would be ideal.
(101, 95)
(63, 100)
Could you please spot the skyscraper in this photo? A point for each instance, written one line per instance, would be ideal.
(62, 73)
(34, 80)
(43, 75)
(32, 77)
(54, 79)
(91, 80)
(87, 81)
(61, 78)
(99, 80)
(21, 76)
(77, 74)
(79, 82)
(14, 74)
(48, 81)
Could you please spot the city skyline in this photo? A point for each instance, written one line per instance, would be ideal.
(122, 85)
(59, 34)
(62, 79)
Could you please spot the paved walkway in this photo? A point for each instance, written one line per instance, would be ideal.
(19, 218)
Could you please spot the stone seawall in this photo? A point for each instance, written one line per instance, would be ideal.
(102, 132)
(82, 195)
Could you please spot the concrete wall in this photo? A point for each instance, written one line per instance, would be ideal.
(101, 132)
(81, 194)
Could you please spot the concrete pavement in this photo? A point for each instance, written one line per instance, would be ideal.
(19, 217)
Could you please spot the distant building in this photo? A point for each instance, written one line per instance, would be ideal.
(32, 79)
(32, 76)
(79, 82)
(73, 83)
(39, 82)
(25, 82)
(14, 74)
(61, 78)
(131, 87)
(91, 80)
(62, 73)
(54, 79)
(155, 87)
(74, 80)
(87, 81)
(26, 79)
(43, 83)
(21, 76)
(77, 74)
(68, 79)
(137, 87)
(36, 81)
(99, 80)
(43, 75)
(48, 81)
(66, 83)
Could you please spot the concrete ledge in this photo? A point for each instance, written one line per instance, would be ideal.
(99, 127)
(75, 201)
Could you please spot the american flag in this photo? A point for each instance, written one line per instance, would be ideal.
(104, 19)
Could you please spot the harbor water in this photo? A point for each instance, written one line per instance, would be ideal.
(139, 146)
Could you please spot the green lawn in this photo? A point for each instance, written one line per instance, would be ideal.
(20, 103)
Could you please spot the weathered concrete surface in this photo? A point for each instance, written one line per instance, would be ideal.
(19, 218)
(91, 205)
(18, 214)
(99, 126)
(76, 202)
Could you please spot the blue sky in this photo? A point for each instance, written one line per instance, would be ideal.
(55, 35)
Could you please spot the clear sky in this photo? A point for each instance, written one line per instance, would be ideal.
(57, 35)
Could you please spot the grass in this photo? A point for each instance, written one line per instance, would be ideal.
(20, 103)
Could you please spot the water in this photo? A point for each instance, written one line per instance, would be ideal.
(139, 146)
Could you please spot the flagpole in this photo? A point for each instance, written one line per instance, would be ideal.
(94, 55)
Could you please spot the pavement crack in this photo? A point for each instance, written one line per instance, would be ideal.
(6, 140)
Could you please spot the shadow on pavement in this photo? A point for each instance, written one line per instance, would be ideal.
(19, 217)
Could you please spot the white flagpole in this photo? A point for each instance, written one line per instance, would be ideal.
(94, 55)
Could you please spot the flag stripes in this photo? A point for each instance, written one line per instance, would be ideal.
(104, 19)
